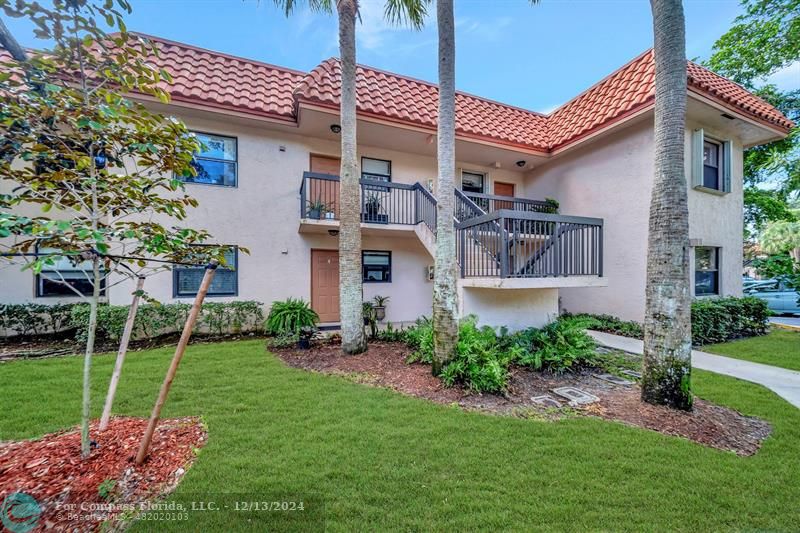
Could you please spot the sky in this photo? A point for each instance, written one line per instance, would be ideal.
(531, 56)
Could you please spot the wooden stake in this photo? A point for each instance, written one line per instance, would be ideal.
(176, 359)
(123, 349)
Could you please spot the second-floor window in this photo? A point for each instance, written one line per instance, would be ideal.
(216, 162)
(711, 163)
(472, 181)
(376, 169)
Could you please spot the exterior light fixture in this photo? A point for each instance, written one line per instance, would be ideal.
(335, 128)
(333, 232)
(521, 163)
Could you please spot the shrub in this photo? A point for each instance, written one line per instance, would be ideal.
(288, 316)
(610, 324)
(153, 320)
(479, 363)
(722, 319)
(560, 346)
(35, 319)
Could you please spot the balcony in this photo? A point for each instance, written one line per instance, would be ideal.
(501, 242)
(385, 206)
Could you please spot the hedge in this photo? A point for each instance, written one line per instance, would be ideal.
(713, 320)
(152, 320)
(723, 319)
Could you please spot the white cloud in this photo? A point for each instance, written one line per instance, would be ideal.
(489, 30)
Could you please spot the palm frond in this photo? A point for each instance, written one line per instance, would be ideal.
(288, 6)
(407, 12)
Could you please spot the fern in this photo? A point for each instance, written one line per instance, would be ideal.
(289, 316)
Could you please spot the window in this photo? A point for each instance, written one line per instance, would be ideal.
(706, 270)
(711, 165)
(56, 280)
(376, 267)
(376, 169)
(472, 181)
(215, 163)
(186, 280)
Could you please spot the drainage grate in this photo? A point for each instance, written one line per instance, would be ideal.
(546, 401)
(576, 396)
(611, 378)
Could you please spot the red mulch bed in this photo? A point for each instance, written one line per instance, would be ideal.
(51, 470)
(384, 365)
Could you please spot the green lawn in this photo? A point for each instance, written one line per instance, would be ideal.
(382, 461)
(780, 348)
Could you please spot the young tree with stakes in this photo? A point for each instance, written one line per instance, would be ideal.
(102, 170)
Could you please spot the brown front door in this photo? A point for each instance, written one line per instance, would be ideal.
(503, 189)
(325, 284)
(325, 191)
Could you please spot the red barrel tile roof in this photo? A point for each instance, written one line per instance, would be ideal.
(219, 80)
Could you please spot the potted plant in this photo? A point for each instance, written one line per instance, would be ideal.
(370, 318)
(372, 209)
(379, 305)
(316, 209)
(304, 337)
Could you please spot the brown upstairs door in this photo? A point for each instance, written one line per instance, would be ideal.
(325, 191)
(503, 189)
(325, 284)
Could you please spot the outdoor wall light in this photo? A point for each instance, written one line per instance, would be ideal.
(521, 163)
(335, 128)
(333, 232)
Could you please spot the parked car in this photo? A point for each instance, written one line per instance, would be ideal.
(781, 298)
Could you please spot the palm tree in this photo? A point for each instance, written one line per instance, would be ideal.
(667, 326)
(350, 287)
(445, 312)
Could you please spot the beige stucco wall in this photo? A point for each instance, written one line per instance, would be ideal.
(611, 178)
(515, 309)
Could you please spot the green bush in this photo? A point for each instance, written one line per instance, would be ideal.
(713, 320)
(479, 363)
(289, 316)
(35, 319)
(722, 319)
(558, 347)
(153, 320)
(610, 324)
(483, 356)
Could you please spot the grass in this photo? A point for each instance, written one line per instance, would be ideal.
(378, 460)
(778, 348)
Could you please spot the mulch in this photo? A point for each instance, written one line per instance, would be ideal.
(50, 469)
(384, 365)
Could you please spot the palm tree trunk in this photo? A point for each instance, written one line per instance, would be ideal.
(350, 290)
(667, 326)
(445, 313)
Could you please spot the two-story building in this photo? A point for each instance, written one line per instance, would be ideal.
(551, 210)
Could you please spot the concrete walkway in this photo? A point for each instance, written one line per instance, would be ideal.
(784, 383)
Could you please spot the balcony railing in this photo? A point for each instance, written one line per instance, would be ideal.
(490, 203)
(381, 202)
(514, 244)
(528, 241)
